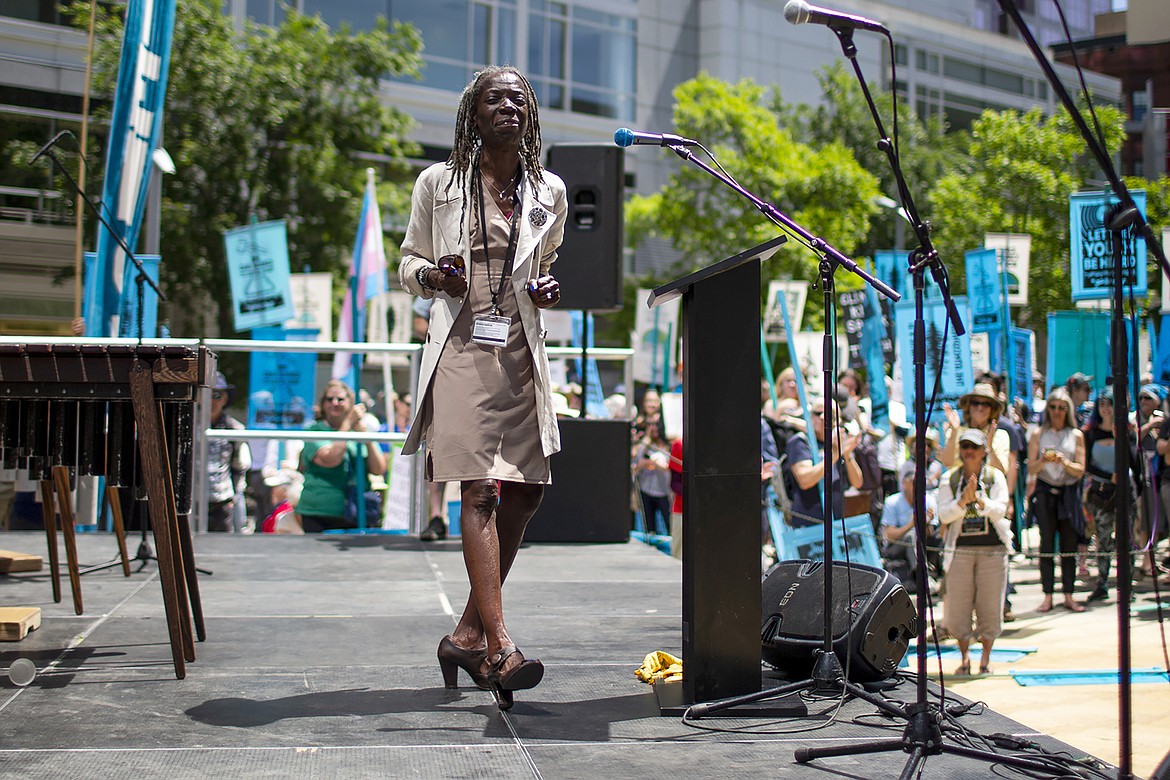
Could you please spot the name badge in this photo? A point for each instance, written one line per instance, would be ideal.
(490, 331)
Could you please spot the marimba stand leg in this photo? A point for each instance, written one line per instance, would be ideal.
(192, 577)
(51, 488)
(163, 519)
(119, 526)
(49, 516)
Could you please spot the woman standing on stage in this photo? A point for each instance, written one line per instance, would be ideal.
(1056, 458)
(484, 230)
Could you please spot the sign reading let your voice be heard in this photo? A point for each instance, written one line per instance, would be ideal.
(1091, 248)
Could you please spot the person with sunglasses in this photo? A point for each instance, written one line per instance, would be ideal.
(228, 461)
(972, 510)
(329, 466)
(980, 409)
(803, 475)
(1056, 460)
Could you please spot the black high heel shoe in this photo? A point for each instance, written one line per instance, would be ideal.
(527, 674)
(452, 658)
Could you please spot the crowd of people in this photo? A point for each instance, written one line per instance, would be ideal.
(1001, 481)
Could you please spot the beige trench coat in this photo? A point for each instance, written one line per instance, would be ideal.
(434, 231)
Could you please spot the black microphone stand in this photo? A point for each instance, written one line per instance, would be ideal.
(1124, 215)
(145, 552)
(827, 676)
(923, 735)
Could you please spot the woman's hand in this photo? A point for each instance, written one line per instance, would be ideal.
(353, 420)
(545, 292)
(954, 422)
(450, 279)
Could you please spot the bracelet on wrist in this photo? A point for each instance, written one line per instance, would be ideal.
(421, 276)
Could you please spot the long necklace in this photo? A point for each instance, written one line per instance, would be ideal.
(508, 186)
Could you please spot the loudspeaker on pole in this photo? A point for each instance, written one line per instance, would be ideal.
(589, 261)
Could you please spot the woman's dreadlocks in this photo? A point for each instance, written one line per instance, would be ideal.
(465, 150)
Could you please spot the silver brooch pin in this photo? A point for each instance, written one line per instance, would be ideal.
(538, 217)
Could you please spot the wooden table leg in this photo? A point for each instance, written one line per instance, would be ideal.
(155, 472)
(192, 576)
(65, 508)
(119, 525)
(50, 520)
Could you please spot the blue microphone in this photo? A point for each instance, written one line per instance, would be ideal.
(626, 137)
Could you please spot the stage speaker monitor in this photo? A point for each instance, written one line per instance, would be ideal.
(589, 262)
(873, 618)
(589, 498)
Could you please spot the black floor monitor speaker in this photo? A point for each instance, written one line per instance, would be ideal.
(873, 618)
(589, 498)
(589, 262)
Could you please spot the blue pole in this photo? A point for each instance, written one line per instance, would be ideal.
(361, 484)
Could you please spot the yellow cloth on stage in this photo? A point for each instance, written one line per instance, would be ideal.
(659, 665)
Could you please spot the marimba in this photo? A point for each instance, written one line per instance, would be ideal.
(124, 412)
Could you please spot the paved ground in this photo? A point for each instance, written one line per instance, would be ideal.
(1082, 715)
(320, 662)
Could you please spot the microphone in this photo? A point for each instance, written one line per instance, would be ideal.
(52, 142)
(626, 137)
(799, 12)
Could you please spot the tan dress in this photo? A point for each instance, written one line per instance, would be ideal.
(481, 411)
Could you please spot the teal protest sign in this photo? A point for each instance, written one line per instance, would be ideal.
(257, 260)
(948, 357)
(282, 383)
(128, 312)
(1091, 248)
(1020, 357)
(1079, 341)
(984, 290)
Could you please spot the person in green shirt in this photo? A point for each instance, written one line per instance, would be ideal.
(329, 466)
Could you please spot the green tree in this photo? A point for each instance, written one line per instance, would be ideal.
(824, 190)
(1017, 176)
(273, 123)
(925, 149)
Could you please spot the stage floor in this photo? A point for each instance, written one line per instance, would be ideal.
(320, 662)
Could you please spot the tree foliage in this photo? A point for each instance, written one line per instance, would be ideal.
(271, 122)
(843, 117)
(824, 190)
(1017, 176)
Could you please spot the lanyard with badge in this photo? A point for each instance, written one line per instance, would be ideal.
(491, 330)
(974, 523)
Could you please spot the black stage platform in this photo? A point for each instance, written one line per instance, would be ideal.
(320, 662)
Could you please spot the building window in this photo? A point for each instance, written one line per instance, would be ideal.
(578, 58)
(1139, 102)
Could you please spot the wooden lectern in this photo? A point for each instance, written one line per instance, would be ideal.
(721, 600)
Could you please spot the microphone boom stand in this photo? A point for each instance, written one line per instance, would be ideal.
(145, 552)
(923, 735)
(827, 675)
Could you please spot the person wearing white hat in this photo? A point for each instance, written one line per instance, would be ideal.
(972, 510)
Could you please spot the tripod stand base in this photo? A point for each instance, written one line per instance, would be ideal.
(672, 703)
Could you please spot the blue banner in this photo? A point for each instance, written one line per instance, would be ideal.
(1162, 361)
(1020, 358)
(128, 314)
(1079, 341)
(953, 356)
(873, 332)
(984, 290)
(594, 400)
(1091, 248)
(282, 384)
(257, 261)
(135, 126)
